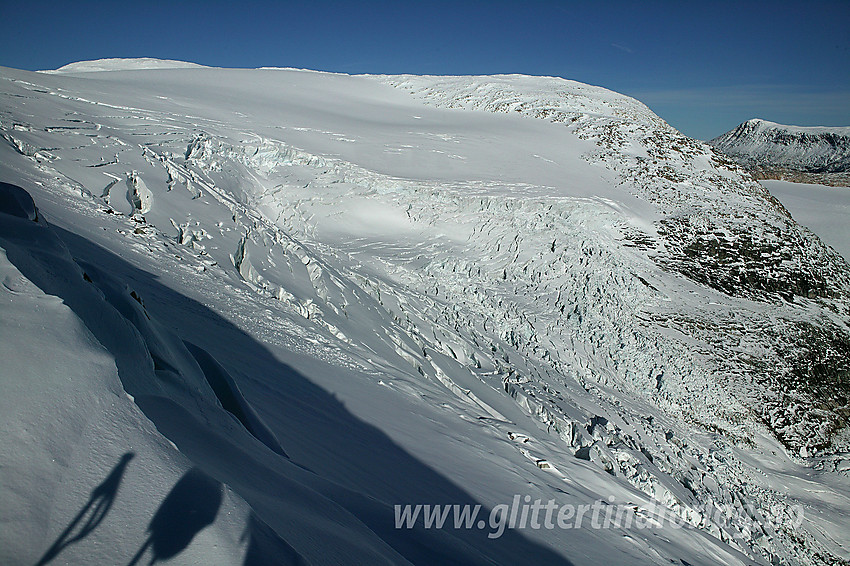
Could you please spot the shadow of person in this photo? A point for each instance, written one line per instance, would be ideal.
(370, 471)
(93, 512)
(191, 506)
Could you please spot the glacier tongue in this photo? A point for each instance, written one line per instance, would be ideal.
(427, 288)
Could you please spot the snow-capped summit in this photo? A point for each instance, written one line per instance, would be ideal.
(814, 149)
(122, 64)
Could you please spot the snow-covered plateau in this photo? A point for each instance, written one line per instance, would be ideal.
(247, 313)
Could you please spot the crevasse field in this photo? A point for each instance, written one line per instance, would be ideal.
(248, 313)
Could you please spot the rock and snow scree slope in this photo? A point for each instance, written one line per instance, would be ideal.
(334, 294)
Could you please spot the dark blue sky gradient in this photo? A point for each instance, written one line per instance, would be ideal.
(703, 66)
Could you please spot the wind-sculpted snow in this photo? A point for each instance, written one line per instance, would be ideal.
(532, 285)
(15, 201)
(66, 415)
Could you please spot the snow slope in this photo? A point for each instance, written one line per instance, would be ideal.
(333, 294)
(813, 149)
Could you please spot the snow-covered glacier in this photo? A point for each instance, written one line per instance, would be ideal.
(269, 306)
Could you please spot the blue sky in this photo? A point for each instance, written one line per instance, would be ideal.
(703, 66)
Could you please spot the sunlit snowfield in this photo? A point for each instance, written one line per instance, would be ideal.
(268, 306)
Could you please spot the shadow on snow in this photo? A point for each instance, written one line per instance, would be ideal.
(374, 474)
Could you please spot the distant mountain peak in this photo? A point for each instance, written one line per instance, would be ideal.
(810, 149)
